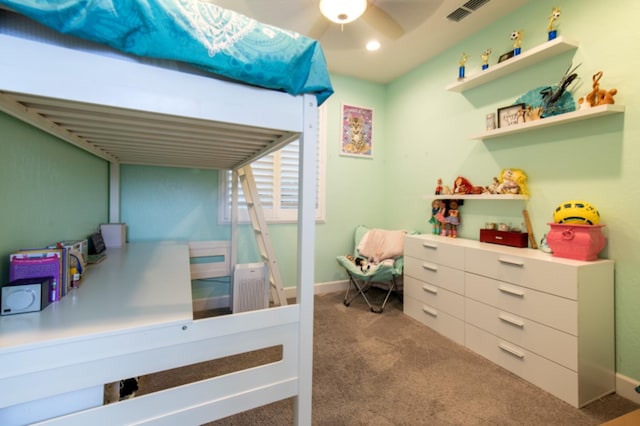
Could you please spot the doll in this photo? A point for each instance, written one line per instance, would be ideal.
(439, 187)
(452, 220)
(437, 216)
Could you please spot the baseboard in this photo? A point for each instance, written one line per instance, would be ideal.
(626, 388)
(320, 288)
(207, 303)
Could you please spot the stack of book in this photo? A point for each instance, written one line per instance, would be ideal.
(63, 262)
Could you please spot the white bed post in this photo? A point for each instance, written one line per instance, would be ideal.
(114, 192)
(234, 220)
(306, 259)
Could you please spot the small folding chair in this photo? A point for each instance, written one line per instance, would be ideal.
(383, 275)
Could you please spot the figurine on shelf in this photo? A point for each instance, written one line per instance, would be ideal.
(452, 220)
(597, 96)
(461, 65)
(516, 36)
(485, 58)
(437, 216)
(557, 99)
(439, 187)
(551, 30)
(493, 188)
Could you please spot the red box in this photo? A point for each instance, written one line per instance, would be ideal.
(573, 241)
(505, 238)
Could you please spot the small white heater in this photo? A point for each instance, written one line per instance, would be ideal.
(250, 287)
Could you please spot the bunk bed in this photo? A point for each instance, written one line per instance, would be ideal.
(164, 111)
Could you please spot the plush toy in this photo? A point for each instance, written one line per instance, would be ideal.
(462, 186)
(513, 181)
(493, 188)
(363, 264)
(597, 96)
(606, 96)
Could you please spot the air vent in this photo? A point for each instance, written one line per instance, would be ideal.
(458, 14)
(466, 10)
(475, 4)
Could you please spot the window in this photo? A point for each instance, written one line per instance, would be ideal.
(276, 177)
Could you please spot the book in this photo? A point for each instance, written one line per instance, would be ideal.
(34, 263)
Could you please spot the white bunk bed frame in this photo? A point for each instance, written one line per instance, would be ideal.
(119, 109)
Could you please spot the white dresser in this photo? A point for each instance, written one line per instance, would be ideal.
(547, 319)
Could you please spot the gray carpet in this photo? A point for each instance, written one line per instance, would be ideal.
(388, 369)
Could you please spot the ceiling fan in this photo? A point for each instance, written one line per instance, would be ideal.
(346, 11)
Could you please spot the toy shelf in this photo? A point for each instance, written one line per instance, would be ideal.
(477, 197)
(597, 111)
(532, 56)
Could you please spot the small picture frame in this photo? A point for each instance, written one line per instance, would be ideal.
(357, 131)
(511, 115)
(490, 121)
(505, 56)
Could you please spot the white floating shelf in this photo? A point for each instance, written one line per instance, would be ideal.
(477, 197)
(598, 111)
(526, 58)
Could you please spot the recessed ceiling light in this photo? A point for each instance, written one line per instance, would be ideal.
(373, 45)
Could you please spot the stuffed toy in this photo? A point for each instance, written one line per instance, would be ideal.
(361, 262)
(462, 186)
(597, 96)
(513, 181)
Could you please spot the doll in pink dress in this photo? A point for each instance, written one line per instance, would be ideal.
(452, 220)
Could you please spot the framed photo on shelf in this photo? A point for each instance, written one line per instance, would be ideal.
(511, 115)
(505, 56)
(356, 131)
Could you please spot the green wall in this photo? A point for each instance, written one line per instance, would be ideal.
(595, 160)
(49, 190)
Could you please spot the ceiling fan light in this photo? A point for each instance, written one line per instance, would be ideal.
(342, 11)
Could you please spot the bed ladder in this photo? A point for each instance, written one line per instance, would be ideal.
(259, 224)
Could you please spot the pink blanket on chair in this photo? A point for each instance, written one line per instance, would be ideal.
(380, 244)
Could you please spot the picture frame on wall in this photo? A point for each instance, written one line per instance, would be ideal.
(511, 115)
(356, 124)
(505, 56)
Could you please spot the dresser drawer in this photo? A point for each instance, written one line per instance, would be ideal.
(544, 341)
(434, 296)
(438, 320)
(506, 265)
(433, 273)
(426, 247)
(554, 378)
(554, 311)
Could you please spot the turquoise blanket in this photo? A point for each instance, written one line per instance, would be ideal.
(217, 40)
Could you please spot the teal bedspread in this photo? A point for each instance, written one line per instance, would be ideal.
(217, 40)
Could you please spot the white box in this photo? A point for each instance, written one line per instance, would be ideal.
(114, 234)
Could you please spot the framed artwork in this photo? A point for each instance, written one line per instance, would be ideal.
(505, 56)
(511, 115)
(356, 124)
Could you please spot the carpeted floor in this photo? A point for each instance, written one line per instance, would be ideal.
(388, 369)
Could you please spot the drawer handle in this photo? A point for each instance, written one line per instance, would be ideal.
(514, 262)
(508, 349)
(511, 291)
(511, 321)
(430, 245)
(430, 311)
(430, 289)
(430, 267)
